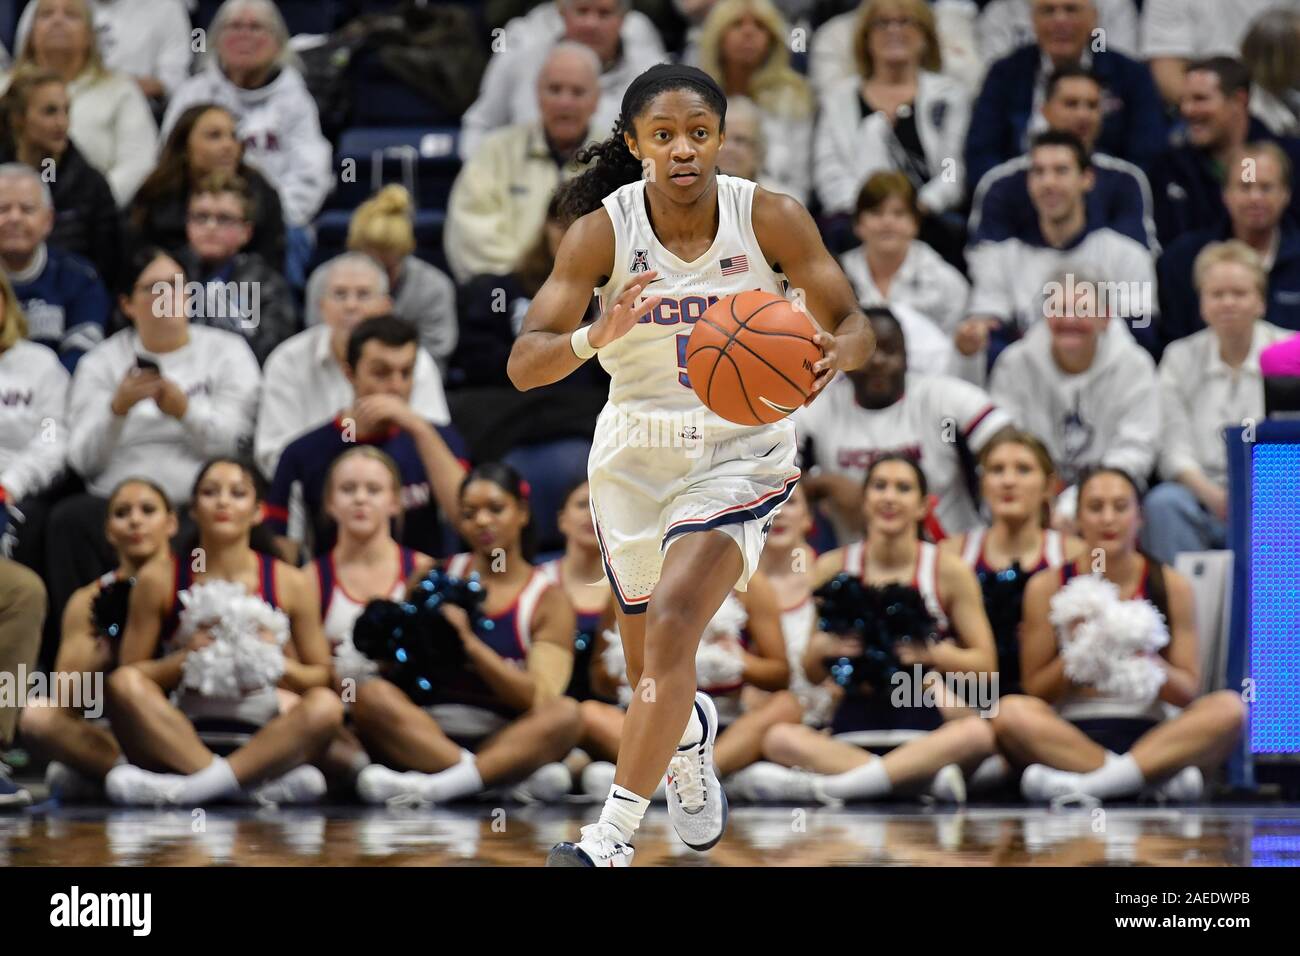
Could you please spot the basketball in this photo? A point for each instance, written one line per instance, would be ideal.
(750, 358)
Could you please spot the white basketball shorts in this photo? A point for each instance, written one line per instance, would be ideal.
(647, 489)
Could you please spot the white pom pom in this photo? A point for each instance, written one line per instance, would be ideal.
(729, 620)
(717, 665)
(1115, 649)
(247, 639)
(612, 656)
(1084, 597)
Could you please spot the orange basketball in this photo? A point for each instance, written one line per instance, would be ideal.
(750, 358)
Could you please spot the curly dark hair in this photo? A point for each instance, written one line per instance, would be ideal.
(614, 165)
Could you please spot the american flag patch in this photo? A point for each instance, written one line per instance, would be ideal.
(734, 265)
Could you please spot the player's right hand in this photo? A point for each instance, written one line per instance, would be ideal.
(626, 312)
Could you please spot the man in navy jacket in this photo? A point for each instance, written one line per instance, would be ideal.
(1255, 205)
(1007, 112)
(1187, 179)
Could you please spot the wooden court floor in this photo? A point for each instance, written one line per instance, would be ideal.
(482, 834)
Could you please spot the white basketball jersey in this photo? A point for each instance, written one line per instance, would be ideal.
(647, 367)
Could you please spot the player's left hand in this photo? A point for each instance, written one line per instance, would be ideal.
(823, 370)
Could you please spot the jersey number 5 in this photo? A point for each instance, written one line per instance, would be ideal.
(682, 339)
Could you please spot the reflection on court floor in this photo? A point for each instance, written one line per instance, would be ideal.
(511, 835)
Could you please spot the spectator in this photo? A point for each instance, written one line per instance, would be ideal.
(33, 439)
(278, 122)
(422, 293)
(1269, 53)
(1004, 26)
(1187, 178)
(892, 267)
(65, 303)
(742, 153)
(1256, 194)
(22, 612)
(242, 292)
(508, 93)
(110, 118)
(35, 118)
(1007, 112)
(1010, 276)
(939, 422)
(381, 357)
(202, 143)
(157, 398)
(304, 379)
(1177, 32)
(1208, 381)
(148, 40)
(1120, 197)
(898, 113)
(694, 12)
(831, 55)
(1080, 382)
(743, 47)
(547, 19)
(499, 198)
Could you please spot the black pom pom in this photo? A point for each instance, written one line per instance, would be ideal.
(880, 617)
(108, 610)
(421, 648)
(1004, 596)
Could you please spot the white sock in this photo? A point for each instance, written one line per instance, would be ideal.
(693, 735)
(213, 781)
(459, 780)
(359, 762)
(1117, 777)
(860, 783)
(623, 809)
(991, 772)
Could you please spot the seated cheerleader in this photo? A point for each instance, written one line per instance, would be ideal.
(362, 496)
(955, 738)
(1076, 739)
(741, 660)
(1017, 485)
(179, 618)
(140, 523)
(505, 715)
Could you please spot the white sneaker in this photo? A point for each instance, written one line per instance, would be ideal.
(1043, 784)
(598, 776)
(949, 785)
(697, 805)
(378, 784)
(1186, 786)
(764, 782)
(70, 786)
(547, 784)
(131, 786)
(601, 845)
(305, 784)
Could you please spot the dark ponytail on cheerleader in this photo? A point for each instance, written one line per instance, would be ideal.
(613, 164)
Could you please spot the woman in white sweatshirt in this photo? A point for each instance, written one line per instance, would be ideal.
(279, 123)
(158, 399)
(110, 119)
(898, 113)
(742, 45)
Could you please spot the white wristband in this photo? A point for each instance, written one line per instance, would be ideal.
(581, 347)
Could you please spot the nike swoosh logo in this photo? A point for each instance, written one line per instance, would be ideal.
(780, 408)
(620, 797)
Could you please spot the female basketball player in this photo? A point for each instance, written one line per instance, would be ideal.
(1017, 483)
(1070, 738)
(154, 733)
(363, 496)
(505, 716)
(892, 553)
(140, 523)
(684, 522)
